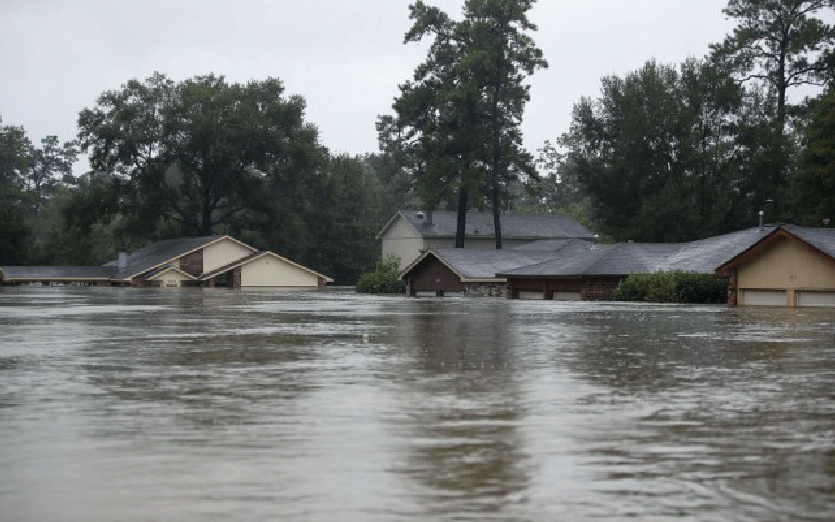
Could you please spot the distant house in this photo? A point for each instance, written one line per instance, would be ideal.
(409, 233)
(594, 274)
(208, 261)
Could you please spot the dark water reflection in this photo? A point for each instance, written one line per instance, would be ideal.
(124, 404)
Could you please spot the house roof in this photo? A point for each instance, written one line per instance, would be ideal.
(160, 270)
(704, 255)
(550, 245)
(480, 265)
(42, 273)
(480, 224)
(163, 252)
(253, 257)
(619, 259)
(821, 240)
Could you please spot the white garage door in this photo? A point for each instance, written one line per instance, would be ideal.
(764, 297)
(812, 298)
(531, 295)
(566, 296)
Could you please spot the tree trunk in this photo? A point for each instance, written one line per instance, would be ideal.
(494, 172)
(461, 226)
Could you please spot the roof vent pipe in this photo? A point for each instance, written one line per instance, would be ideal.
(761, 219)
(123, 260)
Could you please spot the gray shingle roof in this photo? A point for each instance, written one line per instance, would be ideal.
(549, 245)
(11, 273)
(480, 224)
(821, 238)
(620, 259)
(158, 253)
(485, 264)
(706, 255)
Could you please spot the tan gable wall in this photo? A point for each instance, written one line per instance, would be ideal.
(787, 264)
(271, 271)
(169, 276)
(222, 253)
(402, 240)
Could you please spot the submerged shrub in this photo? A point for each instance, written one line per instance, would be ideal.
(673, 287)
(384, 279)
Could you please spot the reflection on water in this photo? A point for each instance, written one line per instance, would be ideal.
(131, 404)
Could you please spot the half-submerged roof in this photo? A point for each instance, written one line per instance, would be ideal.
(257, 255)
(45, 273)
(704, 255)
(480, 224)
(480, 265)
(162, 252)
(600, 260)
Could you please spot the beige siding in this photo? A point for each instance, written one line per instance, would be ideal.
(170, 278)
(788, 264)
(406, 249)
(222, 253)
(402, 240)
(273, 272)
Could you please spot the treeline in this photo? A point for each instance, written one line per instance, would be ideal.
(681, 152)
(198, 157)
(665, 153)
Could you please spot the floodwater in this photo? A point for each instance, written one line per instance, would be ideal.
(196, 405)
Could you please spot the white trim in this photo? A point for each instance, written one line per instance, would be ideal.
(204, 245)
(169, 269)
(391, 222)
(246, 261)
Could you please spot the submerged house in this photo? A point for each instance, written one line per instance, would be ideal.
(781, 265)
(208, 261)
(789, 266)
(410, 233)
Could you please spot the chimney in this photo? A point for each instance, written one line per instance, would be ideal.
(123, 260)
(429, 217)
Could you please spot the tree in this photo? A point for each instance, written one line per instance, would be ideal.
(815, 178)
(657, 153)
(201, 153)
(457, 121)
(780, 42)
(502, 55)
(51, 164)
(15, 159)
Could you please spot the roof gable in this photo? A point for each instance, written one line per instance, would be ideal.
(818, 240)
(164, 252)
(258, 255)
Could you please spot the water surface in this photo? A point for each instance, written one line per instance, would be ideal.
(195, 405)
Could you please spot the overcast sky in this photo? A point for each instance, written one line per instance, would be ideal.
(346, 57)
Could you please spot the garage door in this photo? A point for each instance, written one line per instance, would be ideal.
(764, 297)
(566, 296)
(812, 298)
(531, 295)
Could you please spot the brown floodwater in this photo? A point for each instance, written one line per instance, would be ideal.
(197, 405)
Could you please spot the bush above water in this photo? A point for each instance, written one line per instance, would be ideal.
(384, 279)
(673, 287)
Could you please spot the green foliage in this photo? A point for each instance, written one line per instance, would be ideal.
(203, 152)
(457, 124)
(384, 279)
(779, 42)
(814, 185)
(673, 287)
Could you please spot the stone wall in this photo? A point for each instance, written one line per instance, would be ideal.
(485, 289)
